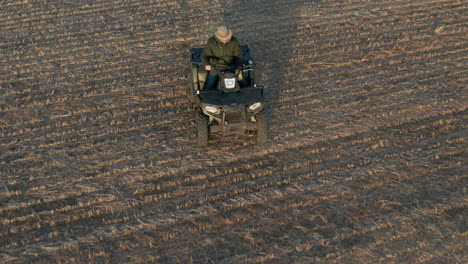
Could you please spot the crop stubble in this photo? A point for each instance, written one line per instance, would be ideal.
(366, 162)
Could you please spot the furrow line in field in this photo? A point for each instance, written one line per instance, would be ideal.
(130, 230)
(280, 183)
(352, 10)
(423, 253)
(402, 124)
(204, 227)
(390, 108)
(82, 148)
(259, 175)
(414, 69)
(130, 112)
(409, 221)
(216, 178)
(349, 21)
(294, 145)
(116, 71)
(348, 118)
(101, 6)
(354, 38)
(379, 226)
(117, 107)
(104, 44)
(89, 58)
(379, 117)
(139, 40)
(338, 238)
(90, 90)
(359, 36)
(70, 219)
(315, 58)
(276, 206)
(145, 39)
(401, 87)
(175, 172)
(349, 24)
(103, 33)
(46, 37)
(405, 4)
(96, 6)
(396, 182)
(131, 105)
(404, 235)
(81, 139)
(116, 127)
(376, 64)
(298, 179)
(293, 166)
(398, 50)
(354, 108)
(413, 110)
(127, 170)
(38, 201)
(109, 7)
(374, 57)
(343, 86)
(36, 216)
(374, 227)
(13, 172)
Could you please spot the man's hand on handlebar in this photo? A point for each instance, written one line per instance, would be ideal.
(208, 67)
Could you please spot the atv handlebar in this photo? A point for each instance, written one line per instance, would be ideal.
(244, 67)
(216, 91)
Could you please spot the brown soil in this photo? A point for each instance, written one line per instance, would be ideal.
(366, 160)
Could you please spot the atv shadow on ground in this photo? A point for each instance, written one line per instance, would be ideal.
(267, 27)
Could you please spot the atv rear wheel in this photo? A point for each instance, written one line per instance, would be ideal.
(191, 88)
(191, 94)
(262, 129)
(202, 129)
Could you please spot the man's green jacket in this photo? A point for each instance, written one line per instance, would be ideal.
(221, 55)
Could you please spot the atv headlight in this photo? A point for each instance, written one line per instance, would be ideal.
(255, 106)
(211, 109)
(229, 83)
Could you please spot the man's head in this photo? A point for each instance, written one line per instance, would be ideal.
(223, 34)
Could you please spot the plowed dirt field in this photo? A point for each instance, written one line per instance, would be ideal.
(366, 160)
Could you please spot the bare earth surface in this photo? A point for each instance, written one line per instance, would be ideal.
(366, 162)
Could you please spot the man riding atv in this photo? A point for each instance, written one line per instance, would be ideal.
(227, 99)
(222, 52)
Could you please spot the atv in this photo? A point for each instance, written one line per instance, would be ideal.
(235, 107)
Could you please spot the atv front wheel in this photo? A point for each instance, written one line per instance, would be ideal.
(202, 129)
(262, 129)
